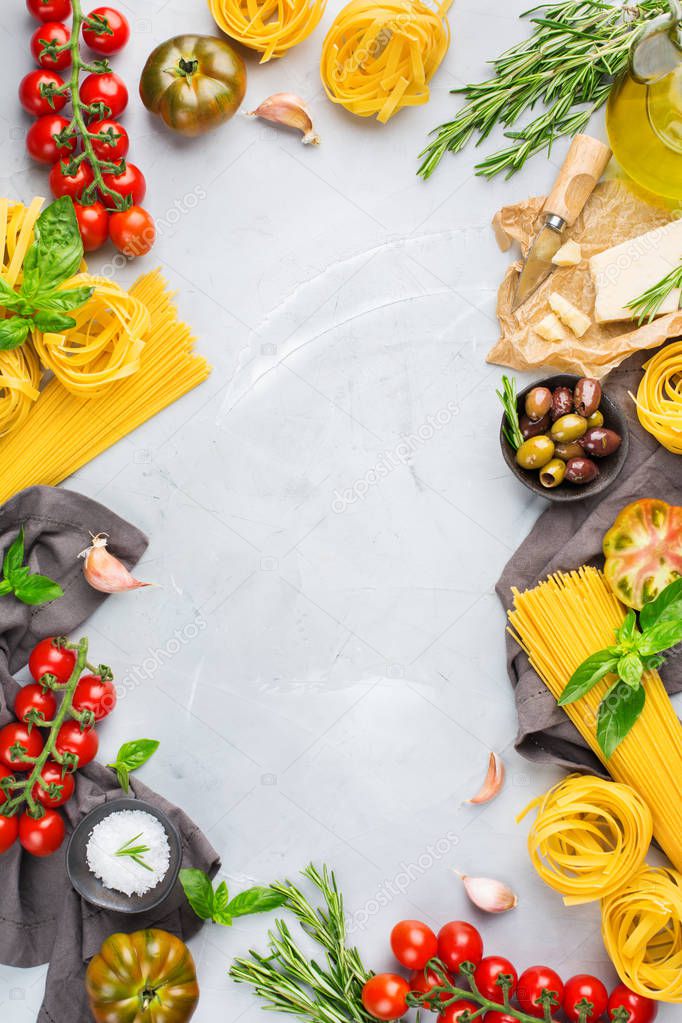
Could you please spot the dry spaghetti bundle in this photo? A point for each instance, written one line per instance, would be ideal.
(269, 26)
(105, 345)
(659, 397)
(589, 837)
(560, 623)
(64, 431)
(379, 57)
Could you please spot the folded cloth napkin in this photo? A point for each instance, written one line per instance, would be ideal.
(563, 538)
(43, 918)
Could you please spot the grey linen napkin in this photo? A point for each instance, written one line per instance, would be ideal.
(43, 919)
(563, 538)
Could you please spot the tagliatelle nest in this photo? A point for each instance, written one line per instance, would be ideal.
(269, 26)
(20, 375)
(380, 57)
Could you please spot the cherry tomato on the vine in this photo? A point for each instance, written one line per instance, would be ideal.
(17, 733)
(584, 987)
(41, 836)
(52, 774)
(50, 658)
(93, 224)
(32, 99)
(498, 1016)
(130, 181)
(106, 30)
(34, 697)
(532, 983)
(9, 832)
(75, 184)
(384, 996)
(486, 974)
(114, 147)
(641, 1009)
(49, 10)
(41, 139)
(132, 231)
(72, 739)
(413, 944)
(423, 981)
(52, 32)
(459, 942)
(5, 772)
(95, 694)
(108, 89)
(453, 1013)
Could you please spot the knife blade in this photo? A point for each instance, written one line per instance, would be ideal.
(584, 165)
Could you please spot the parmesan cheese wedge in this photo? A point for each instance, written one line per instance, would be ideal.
(550, 329)
(622, 273)
(569, 254)
(570, 315)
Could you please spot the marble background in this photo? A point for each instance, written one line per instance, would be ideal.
(323, 658)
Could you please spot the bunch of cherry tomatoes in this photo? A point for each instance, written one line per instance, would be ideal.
(75, 743)
(51, 139)
(580, 999)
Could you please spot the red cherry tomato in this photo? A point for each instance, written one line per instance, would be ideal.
(71, 739)
(116, 144)
(49, 657)
(49, 10)
(486, 974)
(70, 184)
(459, 942)
(641, 1009)
(453, 1013)
(384, 996)
(41, 836)
(108, 89)
(93, 224)
(32, 99)
(498, 1016)
(413, 944)
(9, 832)
(41, 139)
(423, 981)
(130, 182)
(132, 231)
(111, 35)
(4, 773)
(52, 775)
(34, 697)
(532, 983)
(17, 733)
(95, 694)
(51, 32)
(584, 987)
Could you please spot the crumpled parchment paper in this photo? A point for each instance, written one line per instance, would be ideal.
(613, 214)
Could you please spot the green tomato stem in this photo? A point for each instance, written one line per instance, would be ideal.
(454, 994)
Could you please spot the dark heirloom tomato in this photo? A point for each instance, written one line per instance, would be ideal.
(145, 977)
(193, 83)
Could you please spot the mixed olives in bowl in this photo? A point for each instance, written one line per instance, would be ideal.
(563, 437)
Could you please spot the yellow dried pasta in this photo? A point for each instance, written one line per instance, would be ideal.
(659, 397)
(20, 375)
(271, 27)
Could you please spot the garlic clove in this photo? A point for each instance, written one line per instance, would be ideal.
(103, 571)
(489, 895)
(289, 110)
(494, 781)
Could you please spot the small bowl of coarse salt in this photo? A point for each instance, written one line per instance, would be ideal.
(125, 855)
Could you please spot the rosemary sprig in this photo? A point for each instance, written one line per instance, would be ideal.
(646, 305)
(135, 852)
(576, 50)
(511, 428)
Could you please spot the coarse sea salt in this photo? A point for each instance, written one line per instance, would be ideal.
(122, 873)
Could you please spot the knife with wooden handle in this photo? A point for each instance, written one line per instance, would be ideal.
(584, 165)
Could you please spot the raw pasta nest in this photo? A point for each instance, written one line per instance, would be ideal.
(380, 57)
(105, 345)
(659, 397)
(20, 375)
(269, 26)
(589, 837)
(642, 931)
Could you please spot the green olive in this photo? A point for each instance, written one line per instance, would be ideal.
(568, 428)
(552, 474)
(596, 419)
(535, 452)
(569, 450)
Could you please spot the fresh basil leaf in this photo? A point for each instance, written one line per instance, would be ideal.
(628, 629)
(199, 891)
(255, 900)
(18, 575)
(630, 669)
(15, 554)
(57, 249)
(63, 301)
(9, 298)
(588, 674)
(221, 898)
(666, 607)
(37, 589)
(13, 332)
(662, 636)
(653, 663)
(123, 776)
(5, 588)
(618, 712)
(53, 323)
(135, 753)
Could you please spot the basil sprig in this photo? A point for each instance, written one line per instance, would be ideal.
(218, 906)
(17, 578)
(636, 650)
(132, 755)
(53, 257)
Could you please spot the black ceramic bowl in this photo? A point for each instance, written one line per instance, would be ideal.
(609, 468)
(92, 889)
